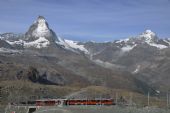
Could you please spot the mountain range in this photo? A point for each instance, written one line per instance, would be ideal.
(138, 64)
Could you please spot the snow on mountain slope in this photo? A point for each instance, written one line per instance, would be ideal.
(39, 43)
(151, 39)
(167, 41)
(159, 46)
(1, 37)
(122, 40)
(71, 45)
(19, 42)
(127, 48)
(148, 36)
(6, 50)
(137, 69)
(75, 45)
(62, 42)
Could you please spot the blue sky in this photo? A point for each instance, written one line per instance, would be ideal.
(84, 20)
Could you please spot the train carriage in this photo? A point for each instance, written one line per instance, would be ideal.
(90, 102)
(67, 102)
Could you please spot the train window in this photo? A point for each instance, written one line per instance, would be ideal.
(31, 102)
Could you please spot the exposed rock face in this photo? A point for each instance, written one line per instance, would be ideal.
(4, 44)
(51, 78)
(33, 74)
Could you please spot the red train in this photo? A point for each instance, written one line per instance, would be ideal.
(61, 102)
(90, 102)
(45, 102)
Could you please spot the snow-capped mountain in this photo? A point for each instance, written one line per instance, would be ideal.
(128, 51)
(148, 37)
(40, 36)
(125, 45)
(40, 28)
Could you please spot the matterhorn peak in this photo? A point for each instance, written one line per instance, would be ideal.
(41, 22)
(40, 28)
(41, 18)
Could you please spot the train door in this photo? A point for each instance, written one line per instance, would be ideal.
(31, 109)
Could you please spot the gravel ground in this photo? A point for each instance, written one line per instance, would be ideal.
(91, 109)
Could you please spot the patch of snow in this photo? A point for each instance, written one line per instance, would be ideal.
(6, 50)
(127, 48)
(167, 41)
(20, 42)
(107, 64)
(1, 37)
(62, 42)
(136, 70)
(39, 43)
(159, 46)
(123, 40)
(75, 45)
(71, 45)
(157, 91)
